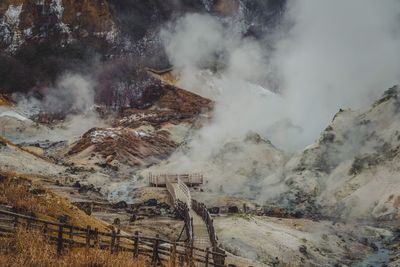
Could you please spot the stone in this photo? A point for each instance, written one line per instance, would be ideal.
(214, 210)
(120, 205)
(151, 202)
(233, 209)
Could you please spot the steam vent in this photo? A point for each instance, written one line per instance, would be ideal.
(207, 133)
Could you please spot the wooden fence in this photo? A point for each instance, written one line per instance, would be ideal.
(192, 179)
(66, 236)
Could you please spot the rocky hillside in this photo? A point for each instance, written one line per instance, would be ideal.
(353, 169)
(41, 39)
(25, 22)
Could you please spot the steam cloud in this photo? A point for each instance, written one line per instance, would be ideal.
(325, 55)
(72, 93)
(338, 54)
(72, 96)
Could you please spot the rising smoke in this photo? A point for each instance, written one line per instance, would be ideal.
(325, 55)
(71, 98)
(337, 54)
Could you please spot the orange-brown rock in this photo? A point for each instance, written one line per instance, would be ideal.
(134, 148)
(172, 104)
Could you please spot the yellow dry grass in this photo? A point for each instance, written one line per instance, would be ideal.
(30, 248)
(24, 193)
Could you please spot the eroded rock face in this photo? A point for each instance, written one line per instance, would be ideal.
(45, 38)
(134, 148)
(23, 22)
(353, 169)
(146, 134)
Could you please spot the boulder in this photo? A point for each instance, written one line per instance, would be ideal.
(233, 209)
(151, 202)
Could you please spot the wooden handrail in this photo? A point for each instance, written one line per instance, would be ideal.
(162, 179)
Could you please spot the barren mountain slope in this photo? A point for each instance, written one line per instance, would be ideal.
(353, 169)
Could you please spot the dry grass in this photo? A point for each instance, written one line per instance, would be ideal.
(25, 195)
(15, 192)
(30, 248)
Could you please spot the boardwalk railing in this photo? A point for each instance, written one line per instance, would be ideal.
(183, 212)
(180, 198)
(201, 210)
(182, 206)
(162, 179)
(66, 236)
(182, 187)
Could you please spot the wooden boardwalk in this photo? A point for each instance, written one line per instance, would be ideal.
(198, 222)
(200, 236)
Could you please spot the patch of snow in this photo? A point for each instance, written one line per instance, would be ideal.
(9, 32)
(207, 4)
(141, 134)
(110, 35)
(57, 8)
(13, 114)
(28, 32)
(137, 117)
(100, 135)
(11, 17)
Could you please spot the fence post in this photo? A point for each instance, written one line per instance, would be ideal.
(173, 255)
(88, 228)
(45, 229)
(191, 229)
(181, 260)
(15, 222)
(60, 239)
(71, 232)
(112, 241)
(136, 245)
(117, 240)
(207, 256)
(154, 260)
(96, 237)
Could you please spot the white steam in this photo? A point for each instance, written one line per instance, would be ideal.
(327, 55)
(338, 54)
(73, 92)
(72, 96)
